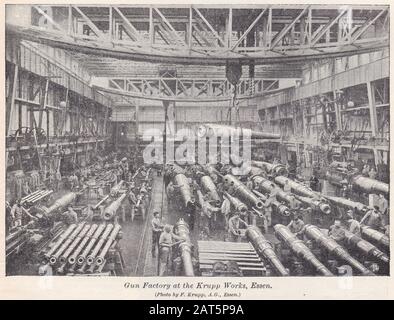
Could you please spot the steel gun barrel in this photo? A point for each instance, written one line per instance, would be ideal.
(91, 257)
(348, 204)
(185, 247)
(242, 192)
(299, 248)
(73, 258)
(66, 243)
(236, 203)
(279, 207)
(376, 236)
(296, 188)
(184, 189)
(111, 239)
(209, 187)
(265, 250)
(210, 130)
(78, 238)
(61, 239)
(62, 202)
(110, 211)
(315, 204)
(93, 240)
(265, 185)
(314, 233)
(369, 185)
(276, 169)
(365, 247)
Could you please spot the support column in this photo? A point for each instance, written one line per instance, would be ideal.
(372, 108)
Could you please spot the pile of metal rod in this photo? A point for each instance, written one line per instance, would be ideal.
(36, 196)
(82, 248)
(242, 254)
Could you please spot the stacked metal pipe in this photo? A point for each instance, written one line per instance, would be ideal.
(36, 196)
(83, 245)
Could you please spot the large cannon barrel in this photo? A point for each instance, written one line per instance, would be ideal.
(73, 258)
(265, 250)
(265, 185)
(209, 187)
(182, 230)
(61, 202)
(296, 188)
(212, 130)
(279, 207)
(66, 243)
(375, 236)
(369, 185)
(348, 204)
(314, 233)
(92, 256)
(315, 204)
(111, 239)
(241, 191)
(62, 238)
(184, 189)
(72, 246)
(93, 240)
(299, 248)
(236, 203)
(365, 247)
(275, 169)
(110, 211)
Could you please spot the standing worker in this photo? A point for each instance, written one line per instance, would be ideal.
(157, 228)
(234, 231)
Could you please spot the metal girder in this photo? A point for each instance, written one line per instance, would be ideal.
(192, 89)
(208, 35)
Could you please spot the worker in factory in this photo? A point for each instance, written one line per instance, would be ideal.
(286, 187)
(157, 228)
(373, 218)
(70, 216)
(337, 232)
(372, 173)
(353, 225)
(249, 183)
(16, 214)
(383, 204)
(73, 180)
(234, 227)
(296, 225)
(166, 241)
(314, 182)
(225, 209)
(344, 192)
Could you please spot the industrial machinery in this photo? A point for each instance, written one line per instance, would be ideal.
(265, 250)
(338, 172)
(299, 248)
(336, 250)
(272, 169)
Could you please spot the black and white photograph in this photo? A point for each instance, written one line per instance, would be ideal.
(197, 140)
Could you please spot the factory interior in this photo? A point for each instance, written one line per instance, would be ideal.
(197, 140)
